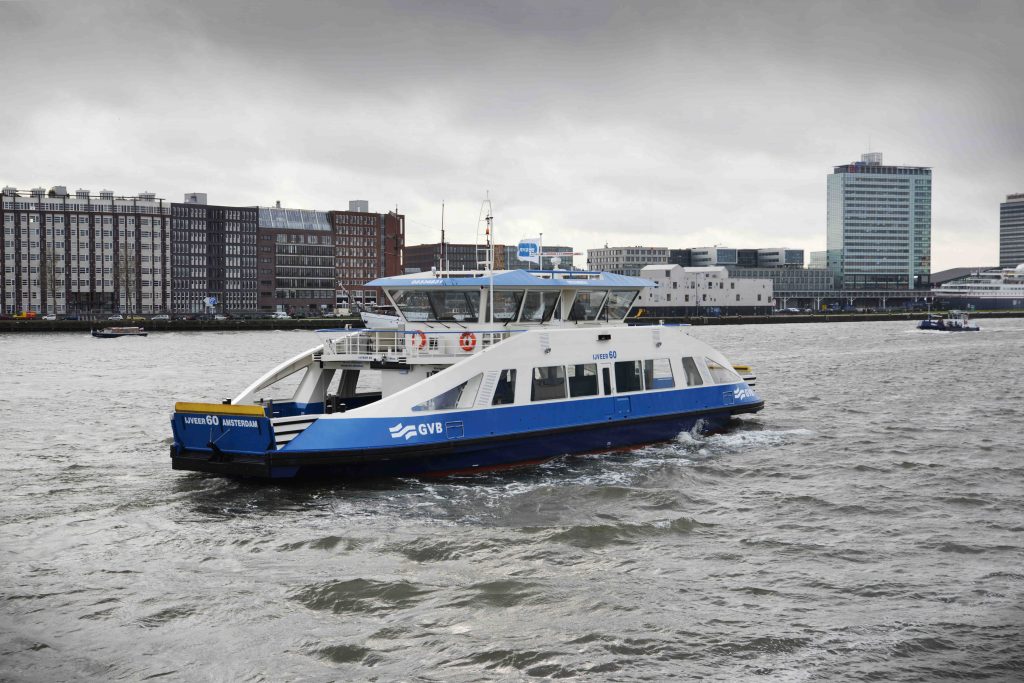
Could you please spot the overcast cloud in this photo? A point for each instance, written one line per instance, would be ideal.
(677, 124)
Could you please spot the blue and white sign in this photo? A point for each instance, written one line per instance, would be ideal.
(210, 301)
(529, 250)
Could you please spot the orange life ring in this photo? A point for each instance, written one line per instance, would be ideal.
(419, 340)
(467, 341)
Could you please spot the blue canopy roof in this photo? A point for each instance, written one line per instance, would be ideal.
(517, 278)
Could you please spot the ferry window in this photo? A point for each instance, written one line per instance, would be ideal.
(548, 383)
(582, 380)
(607, 381)
(539, 306)
(693, 378)
(658, 374)
(505, 391)
(628, 376)
(455, 306)
(414, 304)
(721, 374)
(619, 303)
(461, 396)
(587, 304)
(506, 305)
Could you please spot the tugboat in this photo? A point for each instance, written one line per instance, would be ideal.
(111, 332)
(485, 369)
(955, 321)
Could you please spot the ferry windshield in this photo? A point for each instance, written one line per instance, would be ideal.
(587, 304)
(539, 306)
(619, 303)
(506, 304)
(418, 305)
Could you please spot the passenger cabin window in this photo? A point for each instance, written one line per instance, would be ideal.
(455, 306)
(506, 305)
(628, 376)
(548, 383)
(414, 304)
(587, 304)
(721, 374)
(451, 306)
(582, 380)
(505, 391)
(539, 306)
(693, 378)
(461, 396)
(618, 305)
(607, 375)
(658, 374)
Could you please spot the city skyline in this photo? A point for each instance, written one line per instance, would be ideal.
(659, 125)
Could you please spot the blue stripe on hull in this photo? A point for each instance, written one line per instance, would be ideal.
(509, 452)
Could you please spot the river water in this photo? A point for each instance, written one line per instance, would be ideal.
(867, 525)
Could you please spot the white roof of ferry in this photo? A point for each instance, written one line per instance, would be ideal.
(558, 279)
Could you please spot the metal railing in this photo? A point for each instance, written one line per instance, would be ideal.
(368, 344)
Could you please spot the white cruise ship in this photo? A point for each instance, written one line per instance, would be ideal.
(998, 289)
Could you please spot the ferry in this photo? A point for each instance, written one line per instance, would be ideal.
(112, 332)
(955, 321)
(996, 289)
(483, 369)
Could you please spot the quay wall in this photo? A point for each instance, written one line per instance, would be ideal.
(313, 324)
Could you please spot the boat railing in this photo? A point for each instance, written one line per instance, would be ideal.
(391, 343)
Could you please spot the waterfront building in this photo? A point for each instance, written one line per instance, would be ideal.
(367, 246)
(818, 259)
(296, 261)
(780, 258)
(791, 281)
(879, 224)
(84, 253)
(213, 256)
(1011, 231)
(714, 256)
(625, 260)
(681, 257)
(458, 257)
(776, 257)
(702, 290)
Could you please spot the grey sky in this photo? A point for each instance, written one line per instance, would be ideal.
(668, 124)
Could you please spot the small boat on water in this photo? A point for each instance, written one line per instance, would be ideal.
(482, 370)
(955, 321)
(111, 332)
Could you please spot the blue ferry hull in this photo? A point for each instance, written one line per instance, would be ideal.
(453, 456)
(455, 442)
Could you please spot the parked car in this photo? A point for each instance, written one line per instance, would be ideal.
(50, 316)
(161, 316)
(220, 317)
(281, 315)
(116, 316)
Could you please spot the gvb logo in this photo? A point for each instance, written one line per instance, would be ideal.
(741, 394)
(400, 431)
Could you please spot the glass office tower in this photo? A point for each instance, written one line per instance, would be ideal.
(880, 224)
(1011, 231)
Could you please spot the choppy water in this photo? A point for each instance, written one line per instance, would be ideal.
(867, 525)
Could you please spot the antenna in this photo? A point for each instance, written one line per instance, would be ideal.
(444, 261)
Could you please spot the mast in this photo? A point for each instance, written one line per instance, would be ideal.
(444, 257)
(490, 260)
